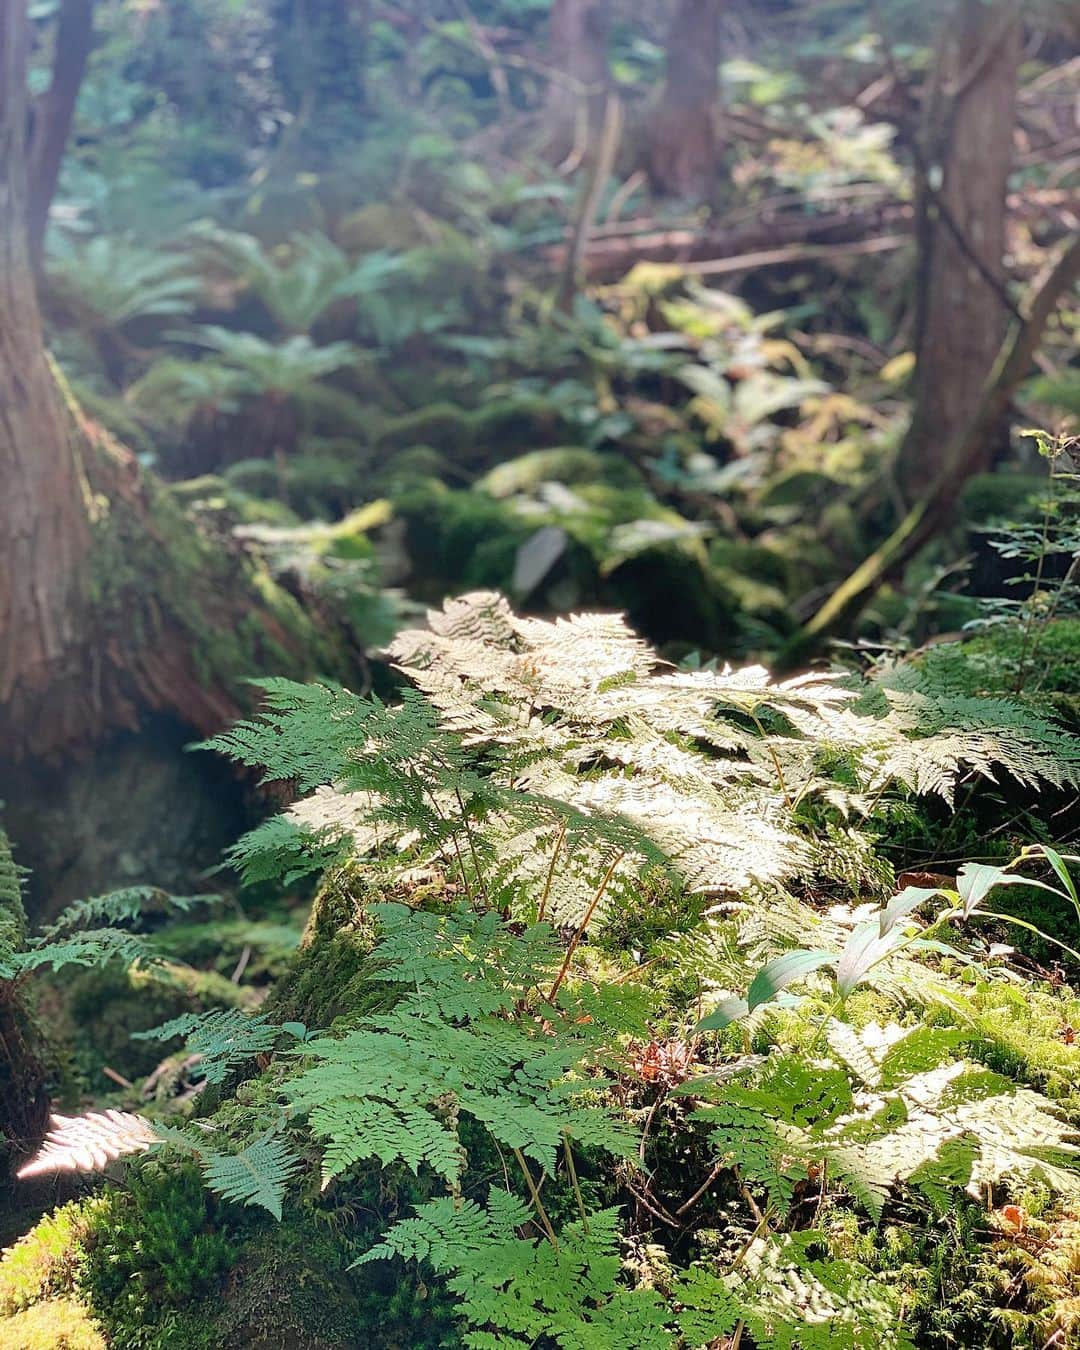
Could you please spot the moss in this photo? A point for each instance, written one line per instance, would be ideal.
(102, 1009)
(1023, 1033)
(460, 539)
(382, 225)
(331, 976)
(43, 1264)
(997, 496)
(160, 575)
(290, 1289)
(567, 464)
(156, 1248)
(445, 426)
(59, 1324)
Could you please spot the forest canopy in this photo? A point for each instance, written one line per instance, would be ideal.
(539, 674)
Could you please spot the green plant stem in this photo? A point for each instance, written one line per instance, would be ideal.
(775, 759)
(569, 1152)
(542, 1213)
(584, 925)
(550, 879)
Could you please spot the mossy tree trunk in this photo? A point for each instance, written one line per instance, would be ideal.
(684, 141)
(113, 601)
(24, 1103)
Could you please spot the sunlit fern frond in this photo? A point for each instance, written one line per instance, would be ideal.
(89, 1143)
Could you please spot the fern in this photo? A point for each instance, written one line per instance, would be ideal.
(224, 1039)
(89, 1143)
(460, 1040)
(515, 1292)
(787, 1297)
(257, 1175)
(123, 907)
(93, 947)
(519, 728)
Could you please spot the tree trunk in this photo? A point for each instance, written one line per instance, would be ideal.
(112, 600)
(685, 141)
(53, 113)
(962, 312)
(577, 92)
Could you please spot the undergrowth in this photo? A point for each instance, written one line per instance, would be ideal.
(628, 1023)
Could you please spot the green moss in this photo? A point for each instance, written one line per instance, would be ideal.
(460, 539)
(59, 1324)
(44, 1263)
(331, 976)
(102, 1008)
(1003, 495)
(160, 574)
(1022, 1032)
(570, 465)
(159, 1246)
(446, 426)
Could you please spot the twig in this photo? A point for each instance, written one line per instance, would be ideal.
(568, 1151)
(623, 195)
(701, 1191)
(603, 164)
(551, 873)
(242, 964)
(796, 253)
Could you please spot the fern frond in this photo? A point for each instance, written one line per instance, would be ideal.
(125, 906)
(93, 947)
(89, 1143)
(223, 1038)
(257, 1175)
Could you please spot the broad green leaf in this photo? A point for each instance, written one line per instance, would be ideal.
(783, 971)
(903, 904)
(728, 1010)
(862, 951)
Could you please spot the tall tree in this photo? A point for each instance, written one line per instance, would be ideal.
(52, 113)
(964, 155)
(685, 138)
(581, 76)
(112, 600)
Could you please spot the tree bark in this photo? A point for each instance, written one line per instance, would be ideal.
(53, 113)
(933, 510)
(112, 600)
(965, 156)
(685, 137)
(577, 93)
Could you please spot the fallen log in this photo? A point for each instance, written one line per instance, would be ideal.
(777, 236)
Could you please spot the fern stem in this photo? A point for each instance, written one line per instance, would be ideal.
(689, 1204)
(549, 882)
(1036, 591)
(537, 1202)
(472, 846)
(569, 1152)
(584, 925)
(775, 759)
